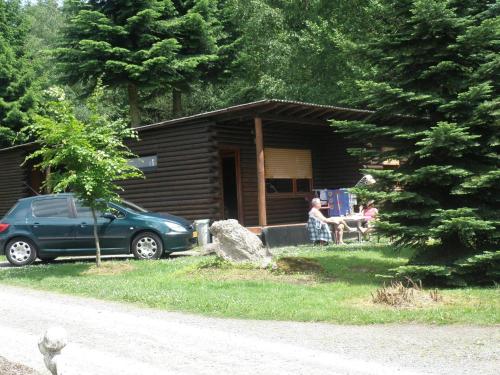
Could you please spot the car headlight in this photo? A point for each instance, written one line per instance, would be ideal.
(175, 227)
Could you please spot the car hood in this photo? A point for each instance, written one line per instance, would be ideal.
(165, 216)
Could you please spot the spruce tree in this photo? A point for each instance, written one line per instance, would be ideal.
(17, 96)
(144, 46)
(436, 107)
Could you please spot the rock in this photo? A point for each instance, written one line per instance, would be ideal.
(235, 243)
(50, 344)
(210, 248)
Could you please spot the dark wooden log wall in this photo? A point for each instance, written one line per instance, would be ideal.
(12, 179)
(185, 181)
(332, 166)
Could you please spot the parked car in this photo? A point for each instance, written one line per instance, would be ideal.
(49, 226)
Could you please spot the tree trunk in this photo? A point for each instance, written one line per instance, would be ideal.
(48, 187)
(176, 102)
(133, 103)
(97, 244)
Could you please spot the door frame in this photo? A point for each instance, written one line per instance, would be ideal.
(234, 151)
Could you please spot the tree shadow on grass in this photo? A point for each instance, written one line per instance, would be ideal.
(41, 271)
(353, 270)
(355, 265)
(59, 268)
(63, 267)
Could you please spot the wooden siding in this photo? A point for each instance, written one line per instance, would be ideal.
(12, 179)
(332, 166)
(187, 181)
(186, 178)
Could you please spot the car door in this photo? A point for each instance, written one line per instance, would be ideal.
(113, 234)
(52, 224)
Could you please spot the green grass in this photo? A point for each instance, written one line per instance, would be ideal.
(341, 294)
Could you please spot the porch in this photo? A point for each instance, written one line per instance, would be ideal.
(271, 158)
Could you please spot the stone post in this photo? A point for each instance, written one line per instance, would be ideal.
(50, 344)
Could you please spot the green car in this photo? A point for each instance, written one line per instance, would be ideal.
(49, 226)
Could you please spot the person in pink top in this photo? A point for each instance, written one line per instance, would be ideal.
(370, 214)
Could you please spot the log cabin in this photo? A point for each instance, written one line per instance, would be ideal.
(256, 162)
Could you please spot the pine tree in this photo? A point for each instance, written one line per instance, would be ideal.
(17, 96)
(436, 107)
(146, 46)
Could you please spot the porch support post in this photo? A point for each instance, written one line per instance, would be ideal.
(261, 172)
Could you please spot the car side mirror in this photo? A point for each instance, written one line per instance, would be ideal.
(109, 215)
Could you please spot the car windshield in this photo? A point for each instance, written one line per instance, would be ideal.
(132, 207)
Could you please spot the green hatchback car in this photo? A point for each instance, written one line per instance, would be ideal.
(49, 226)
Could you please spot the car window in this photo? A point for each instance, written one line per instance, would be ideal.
(132, 207)
(85, 211)
(115, 212)
(55, 207)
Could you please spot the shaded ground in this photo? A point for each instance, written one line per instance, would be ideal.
(10, 368)
(111, 338)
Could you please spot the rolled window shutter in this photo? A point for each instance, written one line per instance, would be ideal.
(287, 163)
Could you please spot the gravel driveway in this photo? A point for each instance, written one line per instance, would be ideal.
(111, 338)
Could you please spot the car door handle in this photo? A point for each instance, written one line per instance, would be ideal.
(83, 225)
(35, 225)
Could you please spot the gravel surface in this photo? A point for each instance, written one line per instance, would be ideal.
(112, 338)
(10, 368)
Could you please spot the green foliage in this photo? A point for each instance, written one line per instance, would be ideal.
(85, 157)
(17, 94)
(45, 20)
(296, 50)
(435, 97)
(480, 269)
(148, 46)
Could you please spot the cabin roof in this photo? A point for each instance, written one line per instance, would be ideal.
(274, 110)
(271, 110)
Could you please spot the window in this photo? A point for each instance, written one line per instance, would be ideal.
(56, 207)
(288, 170)
(279, 185)
(303, 185)
(133, 207)
(84, 211)
(145, 163)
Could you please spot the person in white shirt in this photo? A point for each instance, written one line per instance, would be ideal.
(338, 223)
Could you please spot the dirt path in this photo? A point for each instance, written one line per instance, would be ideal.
(110, 338)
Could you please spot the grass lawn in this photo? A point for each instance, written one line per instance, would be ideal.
(339, 293)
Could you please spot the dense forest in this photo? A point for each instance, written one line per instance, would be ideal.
(161, 59)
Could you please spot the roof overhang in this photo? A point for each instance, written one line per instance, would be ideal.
(272, 110)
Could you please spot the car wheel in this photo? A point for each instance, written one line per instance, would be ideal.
(147, 245)
(20, 252)
(47, 259)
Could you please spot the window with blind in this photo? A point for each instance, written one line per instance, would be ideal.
(288, 170)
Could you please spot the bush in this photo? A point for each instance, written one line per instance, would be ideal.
(481, 269)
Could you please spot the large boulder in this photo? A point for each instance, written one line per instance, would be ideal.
(235, 243)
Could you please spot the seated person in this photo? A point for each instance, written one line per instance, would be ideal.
(369, 216)
(317, 225)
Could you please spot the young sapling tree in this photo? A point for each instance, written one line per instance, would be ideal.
(85, 156)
